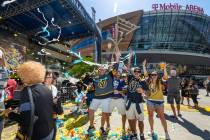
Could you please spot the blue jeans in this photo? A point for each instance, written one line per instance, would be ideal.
(155, 104)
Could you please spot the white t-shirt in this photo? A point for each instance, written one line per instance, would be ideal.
(54, 91)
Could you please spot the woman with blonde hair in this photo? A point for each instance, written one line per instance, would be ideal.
(36, 104)
(155, 99)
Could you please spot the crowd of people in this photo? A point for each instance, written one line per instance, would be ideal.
(124, 88)
(127, 91)
(31, 101)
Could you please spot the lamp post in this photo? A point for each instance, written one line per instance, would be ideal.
(94, 36)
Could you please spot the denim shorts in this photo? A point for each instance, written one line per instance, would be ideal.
(155, 104)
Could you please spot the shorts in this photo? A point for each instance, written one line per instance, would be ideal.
(155, 104)
(171, 98)
(132, 113)
(104, 103)
(119, 104)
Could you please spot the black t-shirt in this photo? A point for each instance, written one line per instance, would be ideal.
(133, 84)
(103, 86)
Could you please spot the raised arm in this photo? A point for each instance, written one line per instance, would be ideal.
(129, 60)
(165, 74)
(117, 54)
(144, 68)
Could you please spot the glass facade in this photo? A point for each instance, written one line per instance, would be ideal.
(179, 31)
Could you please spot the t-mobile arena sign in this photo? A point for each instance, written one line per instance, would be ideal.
(176, 6)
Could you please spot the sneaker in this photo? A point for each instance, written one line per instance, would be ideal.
(103, 132)
(133, 137)
(142, 137)
(167, 137)
(207, 95)
(180, 115)
(154, 136)
(90, 130)
(108, 128)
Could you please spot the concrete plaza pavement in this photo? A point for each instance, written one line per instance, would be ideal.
(193, 125)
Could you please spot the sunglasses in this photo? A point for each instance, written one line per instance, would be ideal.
(138, 71)
(153, 74)
(49, 77)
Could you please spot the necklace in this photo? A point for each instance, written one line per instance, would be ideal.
(153, 88)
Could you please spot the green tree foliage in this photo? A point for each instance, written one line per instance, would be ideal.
(79, 69)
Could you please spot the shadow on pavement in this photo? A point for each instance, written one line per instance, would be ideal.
(204, 112)
(193, 129)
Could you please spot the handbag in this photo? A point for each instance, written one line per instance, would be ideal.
(20, 135)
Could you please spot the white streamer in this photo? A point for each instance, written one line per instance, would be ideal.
(44, 29)
(7, 2)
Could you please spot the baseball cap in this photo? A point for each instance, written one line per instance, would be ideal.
(137, 69)
(124, 74)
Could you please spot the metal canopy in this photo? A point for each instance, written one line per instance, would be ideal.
(22, 16)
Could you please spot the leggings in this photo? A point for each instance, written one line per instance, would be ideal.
(194, 98)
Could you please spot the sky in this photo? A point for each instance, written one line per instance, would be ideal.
(109, 8)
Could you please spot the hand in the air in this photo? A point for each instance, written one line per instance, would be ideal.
(6, 112)
(144, 62)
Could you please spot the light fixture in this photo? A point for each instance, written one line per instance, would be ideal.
(15, 35)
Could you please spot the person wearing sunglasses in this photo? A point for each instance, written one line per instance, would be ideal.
(134, 104)
(155, 99)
